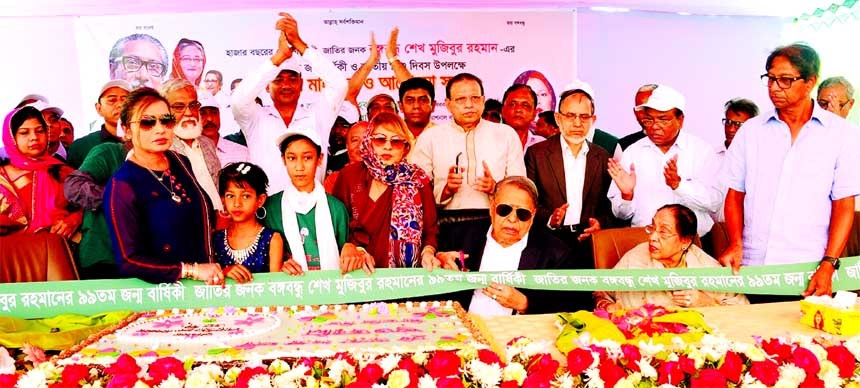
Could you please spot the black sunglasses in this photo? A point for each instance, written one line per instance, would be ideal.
(504, 210)
(148, 122)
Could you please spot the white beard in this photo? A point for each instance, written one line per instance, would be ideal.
(188, 129)
(575, 139)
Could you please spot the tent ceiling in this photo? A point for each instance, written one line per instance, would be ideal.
(779, 8)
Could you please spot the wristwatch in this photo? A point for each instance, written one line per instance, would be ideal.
(832, 260)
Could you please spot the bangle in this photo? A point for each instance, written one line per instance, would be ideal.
(195, 272)
(429, 249)
(360, 249)
(183, 272)
(393, 59)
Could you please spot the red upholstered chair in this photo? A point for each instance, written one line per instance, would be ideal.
(35, 257)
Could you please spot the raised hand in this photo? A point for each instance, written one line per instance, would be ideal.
(486, 183)
(626, 181)
(670, 172)
(391, 47)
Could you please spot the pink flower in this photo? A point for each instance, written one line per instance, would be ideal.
(631, 355)
(7, 363)
(412, 369)
(9, 379)
(489, 357)
(688, 366)
(578, 360)
(123, 380)
(775, 347)
(509, 384)
(359, 384)
(537, 380)
(450, 382)
(765, 371)
(34, 354)
(732, 367)
(811, 381)
(842, 357)
(124, 364)
(543, 364)
(670, 373)
(443, 364)
(370, 374)
(247, 374)
(345, 356)
(708, 378)
(162, 368)
(73, 374)
(806, 360)
(610, 373)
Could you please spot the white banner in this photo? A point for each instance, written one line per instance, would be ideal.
(497, 46)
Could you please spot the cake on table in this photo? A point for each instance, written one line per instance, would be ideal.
(226, 334)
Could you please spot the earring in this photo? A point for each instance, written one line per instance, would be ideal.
(257, 213)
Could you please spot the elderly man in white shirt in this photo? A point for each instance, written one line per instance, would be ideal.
(793, 173)
(668, 166)
(464, 158)
(281, 76)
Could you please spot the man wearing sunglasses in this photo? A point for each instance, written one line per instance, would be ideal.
(836, 94)
(281, 77)
(139, 59)
(510, 245)
(792, 173)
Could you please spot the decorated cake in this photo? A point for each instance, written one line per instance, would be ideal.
(226, 334)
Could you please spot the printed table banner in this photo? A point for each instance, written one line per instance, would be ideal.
(33, 300)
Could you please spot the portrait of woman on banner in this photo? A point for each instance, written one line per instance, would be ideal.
(542, 87)
(189, 60)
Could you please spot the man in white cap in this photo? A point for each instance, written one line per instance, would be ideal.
(108, 106)
(210, 119)
(281, 76)
(669, 166)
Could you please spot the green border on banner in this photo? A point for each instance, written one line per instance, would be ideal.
(44, 299)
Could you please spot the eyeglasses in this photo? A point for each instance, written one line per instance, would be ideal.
(148, 122)
(782, 82)
(662, 122)
(475, 100)
(503, 210)
(824, 104)
(732, 123)
(195, 60)
(132, 64)
(396, 141)
(663, 234)
(180, 107)
(571, 117)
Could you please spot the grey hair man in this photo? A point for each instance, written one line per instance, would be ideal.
(836, 94)
(139, 59)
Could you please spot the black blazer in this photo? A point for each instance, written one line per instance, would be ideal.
(542, 251)
(545, 166)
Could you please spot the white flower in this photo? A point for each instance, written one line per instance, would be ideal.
(829, 373)
(336, 369)
(260, 381)
(95, 384)
(278, 367)
(467, 353)
(514, 371)
(7, 363)
(200, 380)
(426, 381)
(419, 358)
(33, 379)
(398, 379)
(817, 350)
(535, 347)
(231, 375)
(790, 376)
(171, 382)
(748, 381)
(594, 380)
(52, 371)
(650, 348)
(141, 384)
(296, 373)
(625, 383)
(486, 375)
(378, 386)
(667, 386)
(646, 369)
(853, 345)
(388, 363)
(284, 381)
(698, 357)
(309, 381)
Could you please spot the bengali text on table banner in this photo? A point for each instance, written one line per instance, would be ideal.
(32, 300)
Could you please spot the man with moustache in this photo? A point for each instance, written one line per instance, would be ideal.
(738, 111)
(210, 119)
(417, 102)
(108, 106)
(281, 76)
(139, 59)
(188, 139)
(640, 98)
(572, 182)
(793, 173)
(519, 110)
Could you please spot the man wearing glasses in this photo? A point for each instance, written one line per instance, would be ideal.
(738, 111)
(668, 166)
(836, 94)
(510, 244)
(139, 59)
(464, 158)
(792, 174)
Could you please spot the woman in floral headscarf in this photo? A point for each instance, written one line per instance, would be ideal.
(31, 188)
(189, 60)
(391, 204)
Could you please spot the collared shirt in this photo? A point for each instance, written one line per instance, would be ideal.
(574, 180)
(262, 126)
(231, 152)
(698, 190)
(496, 258)
(789, 188)
(496, 144)
(200, 170)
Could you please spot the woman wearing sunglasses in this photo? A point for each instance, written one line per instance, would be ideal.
(393, 213)
(159, 219)
(669, 245)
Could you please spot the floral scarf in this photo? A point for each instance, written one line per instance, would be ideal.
(43, 208)
(407, 214)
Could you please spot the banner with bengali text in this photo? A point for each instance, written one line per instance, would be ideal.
(32, 300)
(497, 46)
